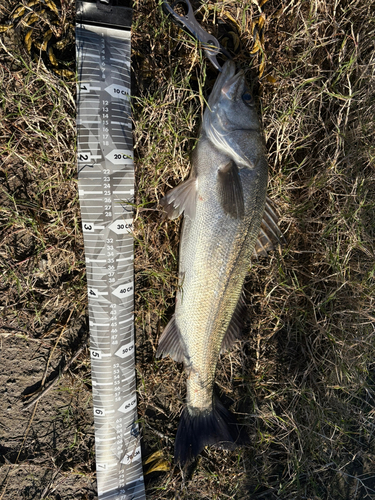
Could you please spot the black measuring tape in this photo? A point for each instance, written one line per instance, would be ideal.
(106, 191)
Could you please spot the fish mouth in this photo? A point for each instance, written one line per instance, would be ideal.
(228, 71)
(230, 89)
(228, 79)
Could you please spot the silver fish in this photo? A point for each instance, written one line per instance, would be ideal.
(224, 202)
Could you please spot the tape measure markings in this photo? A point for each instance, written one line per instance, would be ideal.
(105, 144)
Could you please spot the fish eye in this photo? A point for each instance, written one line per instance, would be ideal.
(246, 97)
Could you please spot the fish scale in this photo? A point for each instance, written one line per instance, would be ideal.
(214, 273)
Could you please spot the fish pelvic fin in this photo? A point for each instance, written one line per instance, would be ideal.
(217, 427)
(269, 234)
(171, 343)
(230, 190)
(182, 198)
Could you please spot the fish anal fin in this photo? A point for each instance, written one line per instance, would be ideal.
(269, 234)
(236, 325)
(171, 343)
(230, 190)
(180, 199)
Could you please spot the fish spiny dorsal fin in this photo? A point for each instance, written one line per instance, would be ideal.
(236, 324)
(180, 199)
(230, 190)
(269, 234)
(171, 343)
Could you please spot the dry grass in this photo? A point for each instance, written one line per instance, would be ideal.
(303, 380)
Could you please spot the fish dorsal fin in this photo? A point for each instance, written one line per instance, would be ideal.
(230, 190)
(236, 325)
(180, 199)
(171, 343)
(270, 234)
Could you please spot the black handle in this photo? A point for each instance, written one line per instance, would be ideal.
(108, 13)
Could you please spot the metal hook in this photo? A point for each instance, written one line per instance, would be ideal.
(210, 44)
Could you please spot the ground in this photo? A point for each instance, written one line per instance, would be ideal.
(303, 379)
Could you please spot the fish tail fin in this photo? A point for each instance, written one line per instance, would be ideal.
(196, 430)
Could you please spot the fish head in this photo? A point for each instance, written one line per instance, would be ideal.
(230, 106)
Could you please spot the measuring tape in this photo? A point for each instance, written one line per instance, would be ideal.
(106, 189)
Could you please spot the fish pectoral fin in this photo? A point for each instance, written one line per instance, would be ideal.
(171, 343)
(230, 190)
(180, 199)
(270, 234)
(236, 325)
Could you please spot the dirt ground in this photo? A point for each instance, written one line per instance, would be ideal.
(303, 379)
(62, 426)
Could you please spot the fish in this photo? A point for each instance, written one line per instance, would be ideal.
(227, 219)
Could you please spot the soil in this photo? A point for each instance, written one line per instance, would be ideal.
(56, 459)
